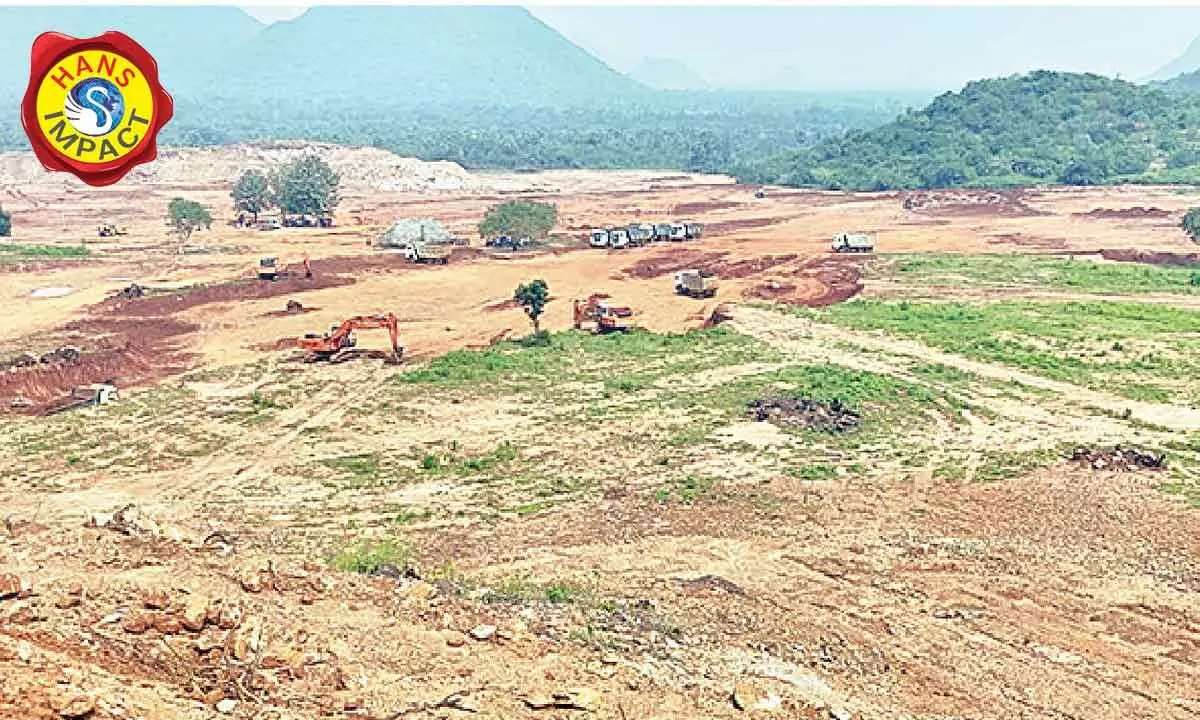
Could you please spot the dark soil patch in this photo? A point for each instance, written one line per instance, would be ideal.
(833, 417)
(293, 308)
(968, 203)
(839, 279)
(509, 304)
(236, 291)
(714, 262)
(1134, 213)
(1166, 259)
(729, 226)
(1028, 241)
(697, 208)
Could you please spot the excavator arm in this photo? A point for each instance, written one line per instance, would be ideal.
(326, 346)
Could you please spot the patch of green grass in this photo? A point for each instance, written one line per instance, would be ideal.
(1041, 272)
(1188, 491)
(14, 251)
(520, 591)
(361, 469)
(1001, 465)
(366, 556)
(687, 489)
(1070, 342)
(813, 471)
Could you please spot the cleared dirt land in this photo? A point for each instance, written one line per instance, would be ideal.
(599, 526)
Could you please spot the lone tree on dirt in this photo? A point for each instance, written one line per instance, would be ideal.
(5, 223)
(251, 193)
(1191, 224)
(532, 298)
(519, 218)
(305, 186)
(186, 216)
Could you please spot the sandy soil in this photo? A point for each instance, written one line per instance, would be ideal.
(1065, 593)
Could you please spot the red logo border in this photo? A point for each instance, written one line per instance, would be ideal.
(51, 47)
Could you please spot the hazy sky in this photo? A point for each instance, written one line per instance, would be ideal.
(926, 48)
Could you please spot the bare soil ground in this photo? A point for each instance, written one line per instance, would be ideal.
(592, 529)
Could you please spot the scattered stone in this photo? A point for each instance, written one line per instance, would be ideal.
(138, 624)
(66, 602)
(24, 651)
(76, 589)
(958, 612)
(307, 599)
(419, 591)
(75, 706)
(10, 586)
(111, 618)
(226, 706)
(168, 624)
(831, 417)
(1119, 459)
(207, 642)
(483, 632)
(229, 617)
(610, 659)
(195, 612)
(745, 696)
(454, 638)
(252, 583)
(840, 713)
(156, 599)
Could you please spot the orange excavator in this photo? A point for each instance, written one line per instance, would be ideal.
(601, 316)
(338, 344)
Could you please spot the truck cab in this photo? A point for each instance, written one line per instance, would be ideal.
(267, 269)
(853, 242)
(678, 232)
(599, 238)
(618, 238)
(662, 232)
(640, 234)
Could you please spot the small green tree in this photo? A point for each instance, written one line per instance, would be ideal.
(1191, 224)
(5, 223)
(532, 298)
(519, 218)
(305, 186)
(186, 216)
(251, 193)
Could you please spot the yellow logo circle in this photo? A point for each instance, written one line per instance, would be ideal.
(95, 107)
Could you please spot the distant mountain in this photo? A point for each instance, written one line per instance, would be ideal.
(183, 39)
(1183, 83)
(1039, 128)
(667, 74)
(1188, 62)
(415, 56)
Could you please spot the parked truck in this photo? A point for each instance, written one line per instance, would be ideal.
(618, 238)
(696, 283)
(640, 234)
(598, 238)
(419, 252)
(853, 242)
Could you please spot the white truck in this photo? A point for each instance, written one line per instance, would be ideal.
(618, 238)
(598, 238)
(419, 252)
(641, 234)
(678, 232)
(853, 242)
(696, 283)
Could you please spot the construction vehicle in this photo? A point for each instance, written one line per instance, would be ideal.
(640, 234)
(338, 343)
(110, 230)
(662, 232)
(600, 316)
(420, 252)
(269, 224)
(678, 232)
(853, 242)
(87, 396)
(618, 238)
(598, 238)
(269, 269)
(506, 242)
(696, 283)
(692, 231)
(760, 193)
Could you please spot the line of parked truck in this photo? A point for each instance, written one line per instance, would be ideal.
(639, 234)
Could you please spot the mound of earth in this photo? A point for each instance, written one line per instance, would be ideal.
(1134, 213)
(1167, 259)
(833, 417)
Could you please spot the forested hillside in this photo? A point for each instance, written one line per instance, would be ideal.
(1039, 128)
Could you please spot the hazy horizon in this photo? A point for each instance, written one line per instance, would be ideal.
(883, 48)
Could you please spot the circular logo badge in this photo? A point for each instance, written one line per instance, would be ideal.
(94, 106)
